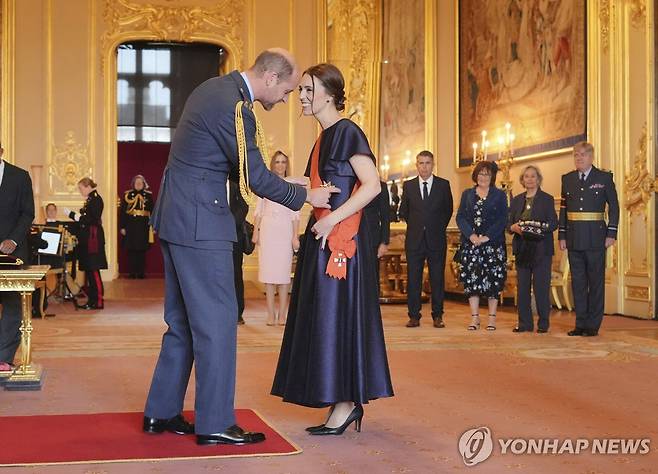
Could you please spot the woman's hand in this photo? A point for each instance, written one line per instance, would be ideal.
(254, 236)
(483, 239)
(475, 239)
(295, 243)
(123, 232)
(516, 228)
(323, 227)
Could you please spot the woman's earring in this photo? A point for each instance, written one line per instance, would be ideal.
(328, 100)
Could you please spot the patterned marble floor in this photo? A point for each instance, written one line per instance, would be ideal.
(446, 381)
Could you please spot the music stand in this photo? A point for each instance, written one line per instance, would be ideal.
(66, 289)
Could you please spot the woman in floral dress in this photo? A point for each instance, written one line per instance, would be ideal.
(482, 256)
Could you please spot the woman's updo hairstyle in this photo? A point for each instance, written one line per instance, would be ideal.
(87, 181)
(332, 80)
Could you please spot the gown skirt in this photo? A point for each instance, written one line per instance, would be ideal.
(333, 348)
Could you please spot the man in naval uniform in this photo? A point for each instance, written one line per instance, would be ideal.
(215, 136)
(584, 233)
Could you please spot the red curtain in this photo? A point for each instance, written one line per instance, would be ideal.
(149, 160)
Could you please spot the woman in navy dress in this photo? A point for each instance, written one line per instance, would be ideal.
(481, 218)
(333, 352)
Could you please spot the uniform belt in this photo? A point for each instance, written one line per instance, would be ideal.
(139, 213)
(585, 216)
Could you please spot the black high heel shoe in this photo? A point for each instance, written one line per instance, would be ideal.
(311, 429)
(355, 416)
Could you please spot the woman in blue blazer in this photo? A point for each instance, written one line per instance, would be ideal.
(482, 217)
(532, 220)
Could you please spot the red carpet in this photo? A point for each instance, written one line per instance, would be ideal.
(116, 437)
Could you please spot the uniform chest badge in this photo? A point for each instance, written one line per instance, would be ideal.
(597, 186)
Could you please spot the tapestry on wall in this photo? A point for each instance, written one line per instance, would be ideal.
(402, 120)
(522, 62)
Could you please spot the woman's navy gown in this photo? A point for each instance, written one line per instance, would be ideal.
(333, 347)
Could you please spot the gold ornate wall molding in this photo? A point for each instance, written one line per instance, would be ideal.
(70, 162)
(222, 23)
(623, 31)
(355, 41)
(638, 191)
(605, 13)
(638, 13)
(7, 82)
(125, 20)
(637, 293)
(640, 185)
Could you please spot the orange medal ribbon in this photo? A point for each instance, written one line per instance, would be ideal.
(341, 238)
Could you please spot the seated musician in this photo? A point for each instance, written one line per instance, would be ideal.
(52, 219)
(71, 226)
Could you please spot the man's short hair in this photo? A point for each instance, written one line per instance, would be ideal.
(426, 153)
(585, 147)
(51, 204)
(275, 62)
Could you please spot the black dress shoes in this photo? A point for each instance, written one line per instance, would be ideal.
(576, 332)
(590, 333)
(413, 323)
(176, 425)
(90, 306)
(518, 329)
(542, 331)
(233, 435)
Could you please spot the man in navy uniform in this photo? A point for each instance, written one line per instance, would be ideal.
(197, 233)
(585, 234)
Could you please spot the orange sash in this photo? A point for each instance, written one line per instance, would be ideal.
(341, 238)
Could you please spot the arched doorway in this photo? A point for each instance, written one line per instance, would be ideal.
(126, 33)
(154, 80)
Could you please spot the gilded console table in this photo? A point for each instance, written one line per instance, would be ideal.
(27, 376)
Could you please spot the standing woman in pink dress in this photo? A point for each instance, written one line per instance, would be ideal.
(276, 230)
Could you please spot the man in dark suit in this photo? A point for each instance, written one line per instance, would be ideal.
(427, 208)
(239, 209)
(584, 233)
(16, 216)
(197, 232)
(378, 215)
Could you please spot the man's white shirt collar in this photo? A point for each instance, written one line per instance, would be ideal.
(429, 182)
(586, 173)
(246, 80)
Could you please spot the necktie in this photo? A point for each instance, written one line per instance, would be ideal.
(582, 178)
(425, 191)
